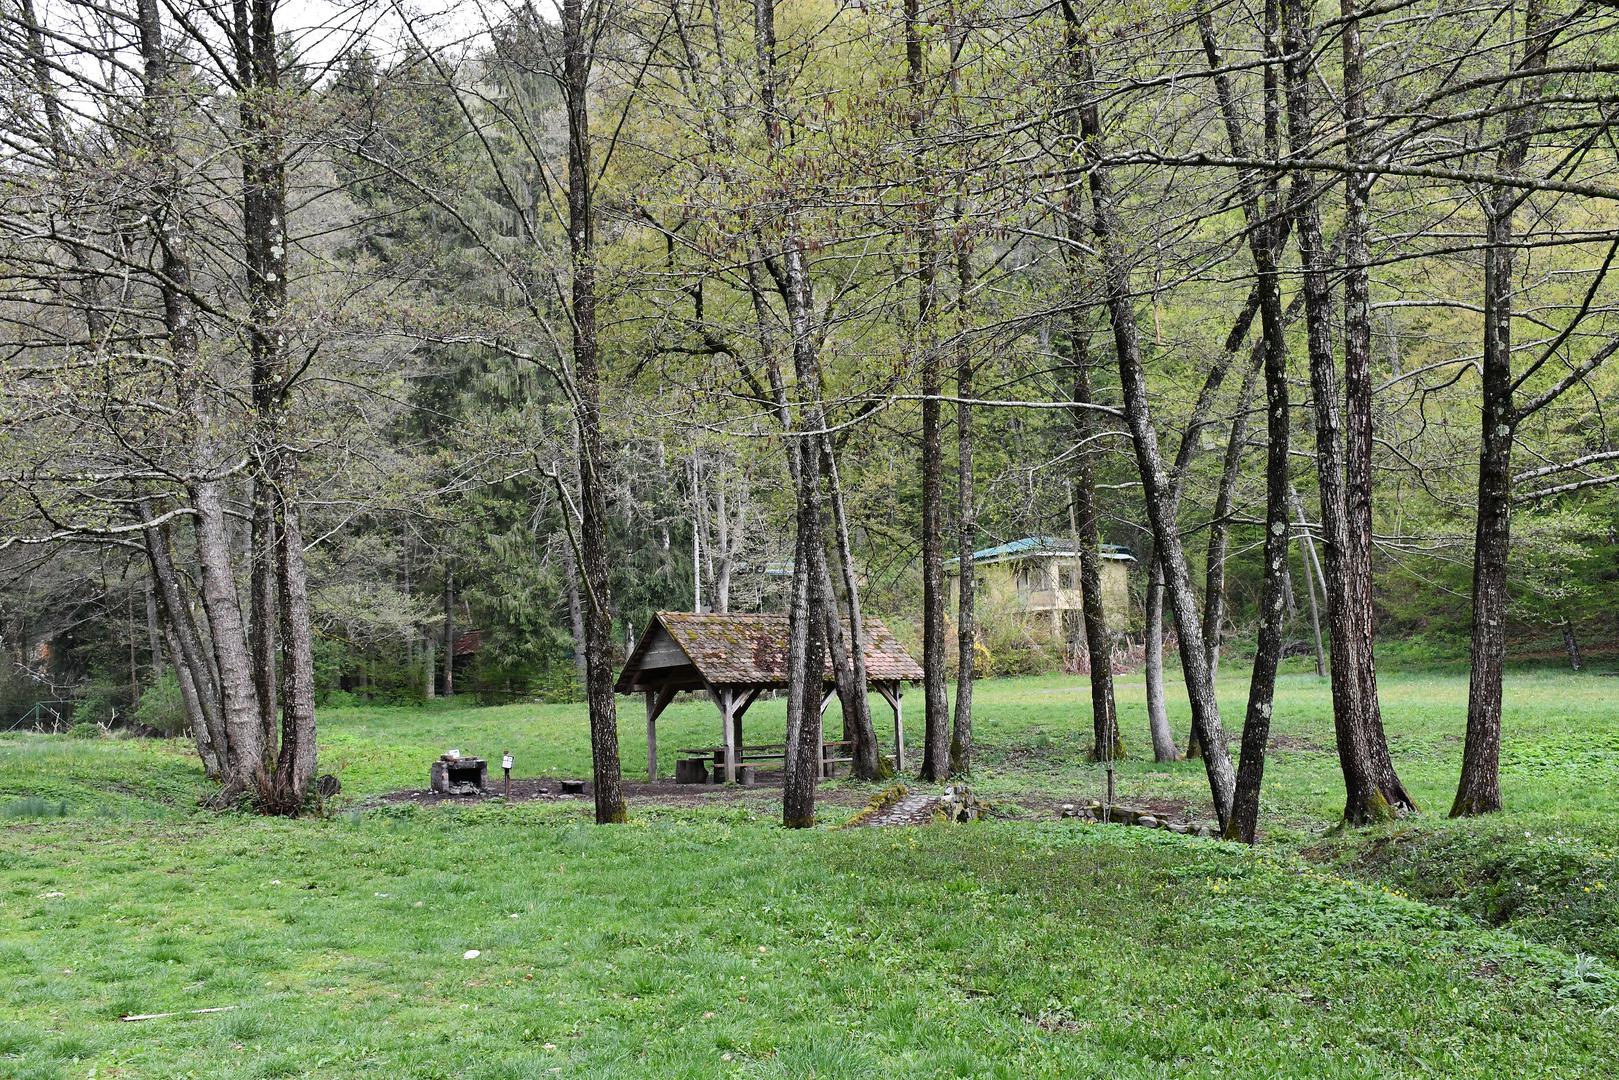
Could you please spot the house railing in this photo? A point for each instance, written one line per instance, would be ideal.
(1047, 599)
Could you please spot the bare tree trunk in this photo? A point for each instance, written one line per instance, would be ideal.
(699, 510)
(196, 719)
(1479, 789)
(1163, 736)
(449, 631)
(1346, 686)
(191, 697)
(1154, 476)
(1106, 742)
(1264, 243)
(807, 658)
(1214, 577)
(961, 735)
(578, 37)
(1371, 792)
(278, 583)
(724, 549)
(1087, 534)
(1312, 573)
(429, 668)
(1244, 823)
(295, 764)
(1358, 413)
(839, 652)
(810, 602)
(1219, 540)
(848, 665)
(806, 645)
(265, 261)
(243, 733)
(231, 739)
(262, 617)
(1571, 645)
(811, 596)
(576, 611)
(154, 638)
(191, 657)
(186, 649)
(936, 736)
(855, 698)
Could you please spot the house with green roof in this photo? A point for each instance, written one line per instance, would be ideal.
(1039, 577)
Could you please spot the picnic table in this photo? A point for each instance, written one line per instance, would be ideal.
(833, 753)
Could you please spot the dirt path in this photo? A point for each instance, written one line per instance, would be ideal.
(910, 810)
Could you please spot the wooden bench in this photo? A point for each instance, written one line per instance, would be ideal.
(762, 752)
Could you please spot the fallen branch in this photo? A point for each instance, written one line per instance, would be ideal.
(184, 1012)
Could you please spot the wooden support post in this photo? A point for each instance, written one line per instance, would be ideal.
(725, 702)
(890, 692)
(826, 699)
(652, 735)
(656, 702)
(899, 728)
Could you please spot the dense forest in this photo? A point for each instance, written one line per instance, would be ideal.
(351, 351)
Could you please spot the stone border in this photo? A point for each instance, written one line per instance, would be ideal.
(877, 804)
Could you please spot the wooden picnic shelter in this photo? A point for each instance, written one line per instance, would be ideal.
(738, 657)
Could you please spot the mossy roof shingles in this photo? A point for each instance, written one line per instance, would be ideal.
(751, 649)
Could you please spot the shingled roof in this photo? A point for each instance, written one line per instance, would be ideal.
(742, 650)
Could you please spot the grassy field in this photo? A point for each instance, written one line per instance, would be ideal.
(705, 941)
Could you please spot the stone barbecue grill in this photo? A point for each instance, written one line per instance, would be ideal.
(455, 775)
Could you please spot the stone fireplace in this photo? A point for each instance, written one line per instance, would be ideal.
(453, 774)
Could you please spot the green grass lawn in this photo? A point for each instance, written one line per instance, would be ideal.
(708, 942)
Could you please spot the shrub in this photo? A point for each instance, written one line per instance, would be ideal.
(374, 676)
(85, 729)
(499, 676)
(1013, 643)
(17, 695)
(161, 707)
(99, 703)
(389, 679)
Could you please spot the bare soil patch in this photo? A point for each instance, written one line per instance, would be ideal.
(658, 793)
